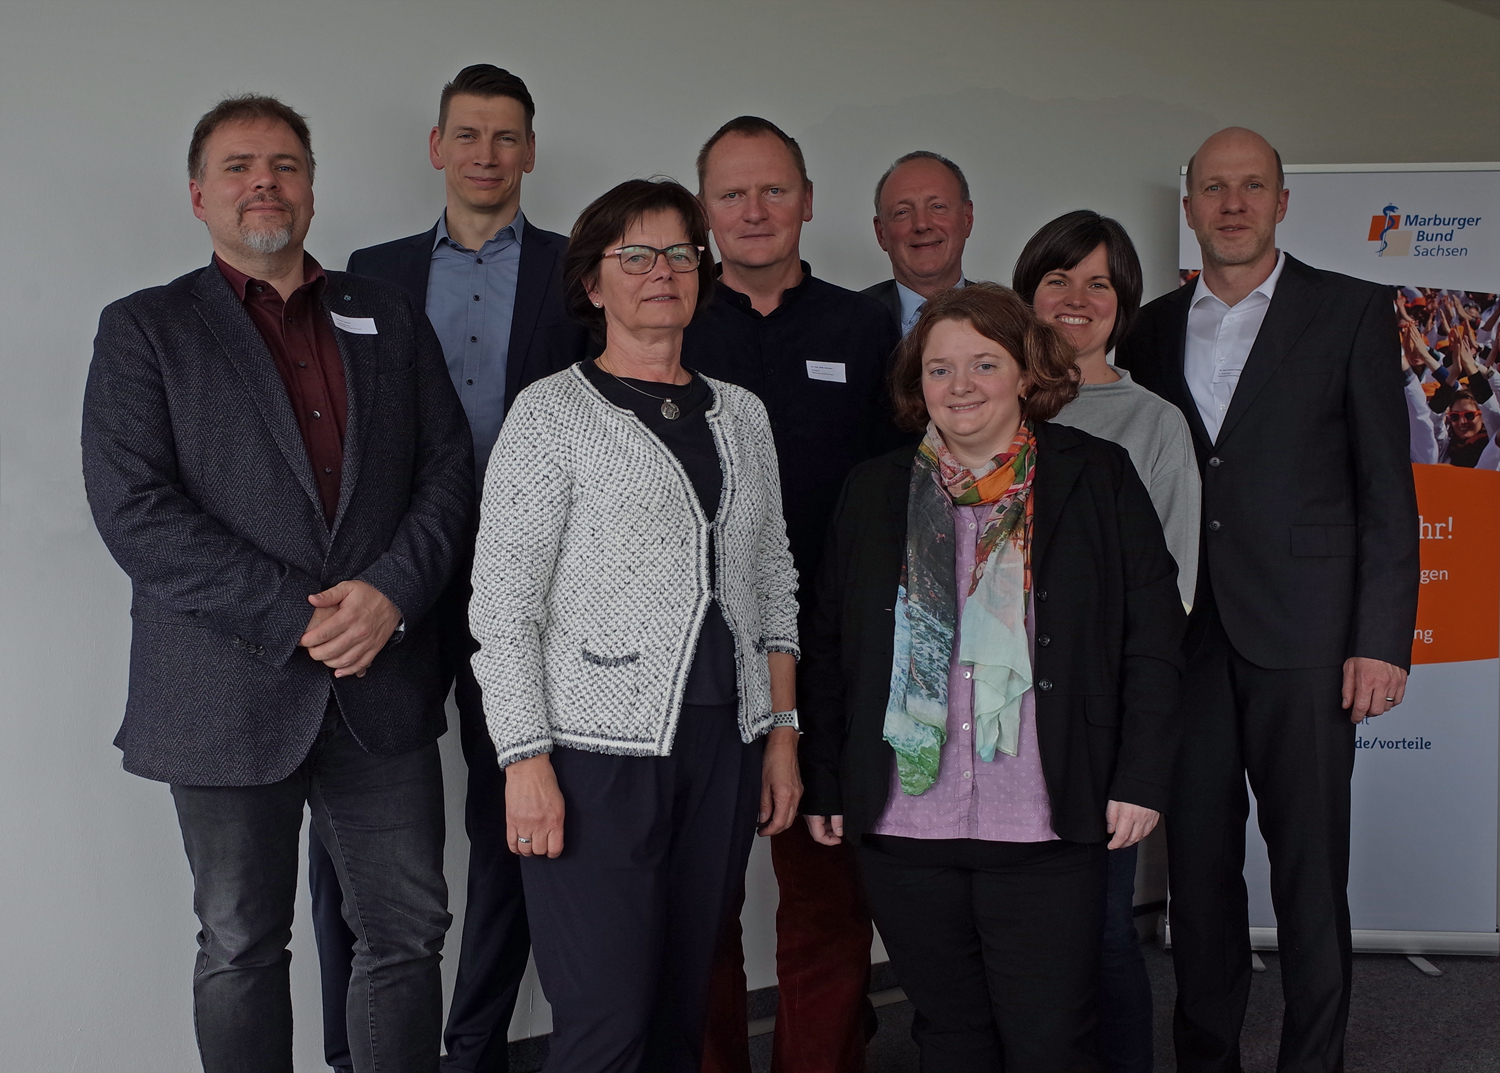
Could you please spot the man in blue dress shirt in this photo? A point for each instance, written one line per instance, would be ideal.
(491, 284)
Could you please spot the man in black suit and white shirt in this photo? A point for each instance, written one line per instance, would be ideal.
(491, 283)
(276, 457)
(923, 216)
(1290, 379)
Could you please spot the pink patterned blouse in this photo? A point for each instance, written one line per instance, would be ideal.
(1004, 800)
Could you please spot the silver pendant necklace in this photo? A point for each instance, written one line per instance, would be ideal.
(669, 409)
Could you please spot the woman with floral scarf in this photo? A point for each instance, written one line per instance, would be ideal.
(989, 687)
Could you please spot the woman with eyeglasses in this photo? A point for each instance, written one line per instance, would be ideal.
(634, 602)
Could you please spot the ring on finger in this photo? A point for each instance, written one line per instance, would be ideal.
(523, 841)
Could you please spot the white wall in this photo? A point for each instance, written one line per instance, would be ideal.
(1049, 107)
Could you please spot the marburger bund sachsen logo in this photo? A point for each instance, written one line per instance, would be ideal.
(1415, 235)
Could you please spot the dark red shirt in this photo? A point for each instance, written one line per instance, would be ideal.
(299, 335)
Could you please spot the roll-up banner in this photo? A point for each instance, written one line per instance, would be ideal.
(1426, 793)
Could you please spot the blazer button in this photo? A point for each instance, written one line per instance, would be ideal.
(1041, 594)
(1215, 526)
(1043, 640)
(1216, 461)
(1044, 685)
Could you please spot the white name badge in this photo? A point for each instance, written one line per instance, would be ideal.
(832, 371)
(361, 325)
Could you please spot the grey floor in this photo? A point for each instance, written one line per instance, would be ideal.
(1400, 1021)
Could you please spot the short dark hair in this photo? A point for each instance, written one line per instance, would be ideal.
(486, 80)
(999, 314)
(246, 108)
(924, 154)
(750, 126)
(1061, 244)
(1280, 172)
(601, 226)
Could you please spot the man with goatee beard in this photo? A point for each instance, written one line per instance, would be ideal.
(276, 457)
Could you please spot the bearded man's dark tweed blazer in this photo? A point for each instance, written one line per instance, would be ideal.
(201, 488)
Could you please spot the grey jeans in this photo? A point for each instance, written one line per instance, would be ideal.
(381, 818)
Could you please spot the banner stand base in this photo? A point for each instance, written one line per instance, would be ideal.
(1478, 943)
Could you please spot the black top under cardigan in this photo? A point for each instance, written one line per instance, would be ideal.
(713, 678)
(1108, 655)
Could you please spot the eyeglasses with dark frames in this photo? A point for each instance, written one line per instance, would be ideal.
(638, 260)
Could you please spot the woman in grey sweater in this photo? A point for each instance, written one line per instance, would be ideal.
(1080, 272)
(634, 603)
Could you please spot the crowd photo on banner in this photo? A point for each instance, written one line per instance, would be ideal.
(1448, 343)
(953, 590)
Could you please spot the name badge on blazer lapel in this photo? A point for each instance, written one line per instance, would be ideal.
(355, 325)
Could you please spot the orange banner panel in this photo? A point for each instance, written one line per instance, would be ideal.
(1458, 611)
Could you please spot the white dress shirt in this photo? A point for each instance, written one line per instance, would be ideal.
(1219, 338)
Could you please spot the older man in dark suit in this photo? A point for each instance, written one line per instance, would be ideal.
(1290, 379)
(923, 216)
(276, 457)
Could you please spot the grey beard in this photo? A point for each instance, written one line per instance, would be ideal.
(267, 241)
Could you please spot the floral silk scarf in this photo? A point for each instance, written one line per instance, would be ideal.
(992, 634)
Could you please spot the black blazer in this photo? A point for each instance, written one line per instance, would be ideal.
(887, 295)
(543, 338)
(1309, 512)
(201, 488)
(1109, 626)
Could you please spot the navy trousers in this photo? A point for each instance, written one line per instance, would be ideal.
(496, 940)
(625, 922)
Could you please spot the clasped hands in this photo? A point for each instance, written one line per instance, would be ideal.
(350, 624)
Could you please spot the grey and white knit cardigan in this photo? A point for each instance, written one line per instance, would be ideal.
(591, 573)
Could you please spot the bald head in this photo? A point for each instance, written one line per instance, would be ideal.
(1239, 149)
(1235, 198)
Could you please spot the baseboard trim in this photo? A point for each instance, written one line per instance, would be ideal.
(1370, 941)
(1366, 941)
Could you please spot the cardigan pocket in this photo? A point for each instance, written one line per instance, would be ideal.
(610, 684)
(610, 661)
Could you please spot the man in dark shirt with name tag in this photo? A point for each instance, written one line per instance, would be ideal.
(491, 283)
(817, 356)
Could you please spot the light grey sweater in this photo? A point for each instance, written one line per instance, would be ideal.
(1161, 446)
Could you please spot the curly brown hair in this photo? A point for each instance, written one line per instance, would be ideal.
(1003, 316)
